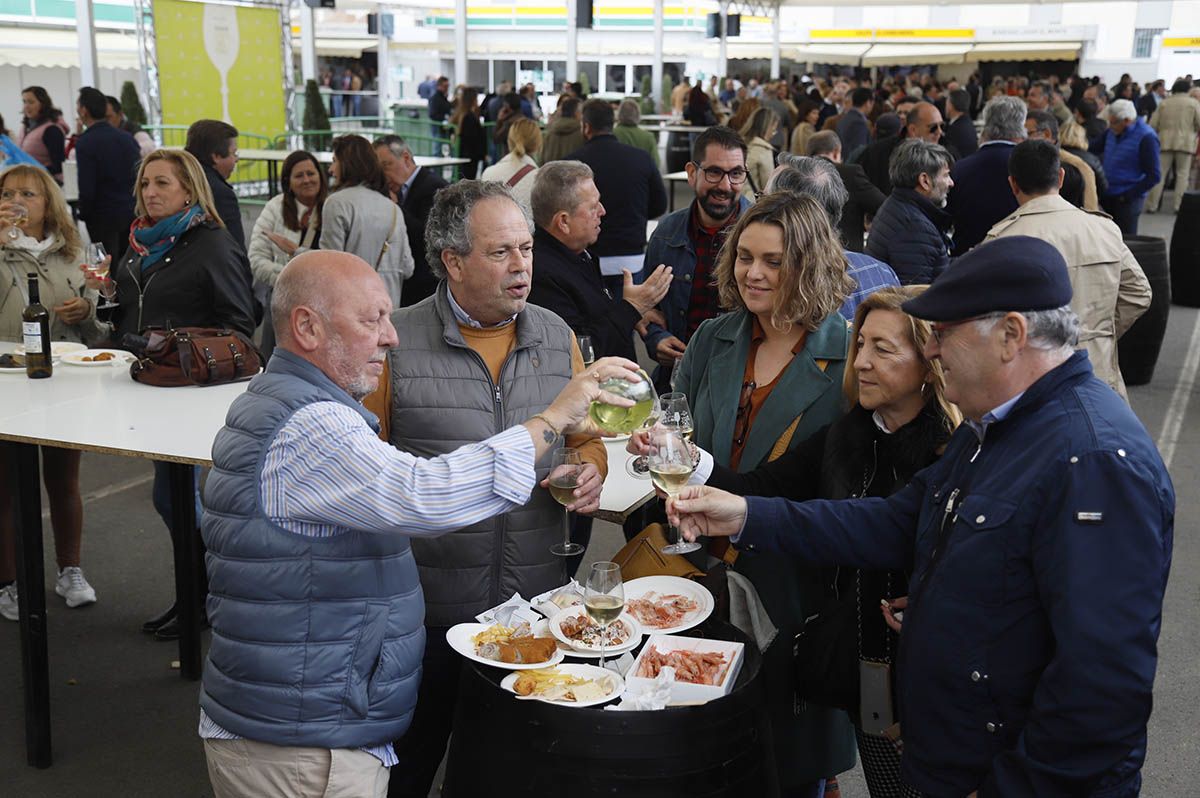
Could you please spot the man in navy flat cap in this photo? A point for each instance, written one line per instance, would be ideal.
(1039, 546)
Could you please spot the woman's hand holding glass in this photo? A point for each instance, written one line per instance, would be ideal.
(13, 217)
(701, 511)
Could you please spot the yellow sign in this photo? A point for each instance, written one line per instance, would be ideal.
(220, 62)
(924, 33)
(1186, 41)
(841, 33)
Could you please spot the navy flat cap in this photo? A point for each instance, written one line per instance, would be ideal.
(1013, 273)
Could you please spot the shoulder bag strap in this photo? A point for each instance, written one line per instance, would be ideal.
(386, 242)
(520, 175)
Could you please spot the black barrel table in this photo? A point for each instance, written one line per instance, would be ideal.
(502, 746)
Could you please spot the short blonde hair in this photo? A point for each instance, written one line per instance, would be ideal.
(919, 332)
(813, 282)
(524, 137)
(188, 172)
(58, 214)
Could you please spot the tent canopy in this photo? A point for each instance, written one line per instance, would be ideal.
(912, 54)
(1026, 51)
(35, 47)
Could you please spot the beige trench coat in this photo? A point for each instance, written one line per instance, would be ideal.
(1110, 289)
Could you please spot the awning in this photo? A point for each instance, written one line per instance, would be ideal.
(912, 54)
(848, 54)
(1026, 51)
(339, 48)
(60, 48)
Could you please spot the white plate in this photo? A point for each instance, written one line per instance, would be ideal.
(582, 671)
(459, 638)
(668, 585)
(21, 369)
(120, 358)
(57, 348)
(581, 650)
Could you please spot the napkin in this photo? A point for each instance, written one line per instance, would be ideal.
(656, 696)
(568, 595)
(511, 613)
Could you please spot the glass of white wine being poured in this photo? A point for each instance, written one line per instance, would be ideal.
(671, 465)
(604, 599)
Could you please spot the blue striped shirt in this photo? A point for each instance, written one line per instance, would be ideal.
(327, 472)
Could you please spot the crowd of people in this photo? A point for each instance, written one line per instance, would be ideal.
(896, 333)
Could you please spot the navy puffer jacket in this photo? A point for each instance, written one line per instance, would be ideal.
(911, 234)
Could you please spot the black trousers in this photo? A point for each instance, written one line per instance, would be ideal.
(421, 749)
(113, 234)
(1125, 212)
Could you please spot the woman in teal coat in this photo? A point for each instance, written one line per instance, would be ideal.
(759, 380)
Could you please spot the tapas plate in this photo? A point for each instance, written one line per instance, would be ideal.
(57, 348)
(617, 685)
(87, 358)
(459, 638)
(652, 590)
(630, 633)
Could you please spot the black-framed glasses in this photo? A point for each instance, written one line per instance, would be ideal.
(742, 424)
(714, 174)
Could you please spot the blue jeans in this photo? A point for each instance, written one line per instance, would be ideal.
(162, 492)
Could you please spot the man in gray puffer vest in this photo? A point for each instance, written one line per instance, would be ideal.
(472, 359)
(316, 609)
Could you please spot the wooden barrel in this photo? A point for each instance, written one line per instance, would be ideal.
(502, 746)
(1137, 349)
(1185, 252)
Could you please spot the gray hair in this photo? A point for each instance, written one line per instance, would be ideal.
(1054, 331)
(1122, 109)
(396, 144)
(629, 113)
(824, 142)
(812, 177)
(915, 157)
(1004, 119)
(449, 225)
(556, 188)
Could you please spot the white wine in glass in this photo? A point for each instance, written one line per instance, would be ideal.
(565, 468)
(624, 420)
(671, 466)
(604, 599)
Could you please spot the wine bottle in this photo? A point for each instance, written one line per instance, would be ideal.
(35, 329)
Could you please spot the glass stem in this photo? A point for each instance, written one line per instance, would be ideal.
(566, 545)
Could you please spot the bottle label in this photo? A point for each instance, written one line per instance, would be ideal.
(32, 333)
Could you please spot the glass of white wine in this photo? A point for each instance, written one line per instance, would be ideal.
(98, 265)
(624, 420)
(20, 215)
(671, 466)
(565, 468)
(587, 350)
(676, 414)
(604, 599)
(638, 465)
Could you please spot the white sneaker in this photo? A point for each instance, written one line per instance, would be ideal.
(9, 608)
(74, 588)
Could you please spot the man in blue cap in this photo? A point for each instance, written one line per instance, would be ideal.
(1039, 545)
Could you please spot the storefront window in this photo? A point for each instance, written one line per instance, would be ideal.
(615, 78)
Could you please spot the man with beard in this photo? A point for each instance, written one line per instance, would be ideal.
(688, 241)
(910, 231)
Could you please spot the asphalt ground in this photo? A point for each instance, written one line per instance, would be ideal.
(124, 723)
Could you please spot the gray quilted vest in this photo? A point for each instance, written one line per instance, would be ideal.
(316, 641)
(443, 397)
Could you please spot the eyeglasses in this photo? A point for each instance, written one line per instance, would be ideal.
(742, 425)
(714, 174)
(10, 194)
(938, 328)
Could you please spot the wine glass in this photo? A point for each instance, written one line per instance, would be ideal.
(623, 420)
(671, 465)
(98, 265)
(675, 372)
(20, 215)
(565, 468)
(604, 599)
(638, 465)
(676, 414)
(587, 350)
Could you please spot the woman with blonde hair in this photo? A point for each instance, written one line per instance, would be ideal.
(182, 269)
(898, 423)
(518, 168)
(47, 244)
(760, 155)
(761, 379)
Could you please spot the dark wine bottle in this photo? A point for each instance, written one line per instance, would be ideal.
(35, 327)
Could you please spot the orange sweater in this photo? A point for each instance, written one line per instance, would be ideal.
(494, 345)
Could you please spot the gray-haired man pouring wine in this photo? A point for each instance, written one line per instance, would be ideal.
(315, 603)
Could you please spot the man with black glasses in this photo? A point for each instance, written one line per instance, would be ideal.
(688, 241)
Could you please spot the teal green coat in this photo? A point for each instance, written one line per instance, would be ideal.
(811, 742)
